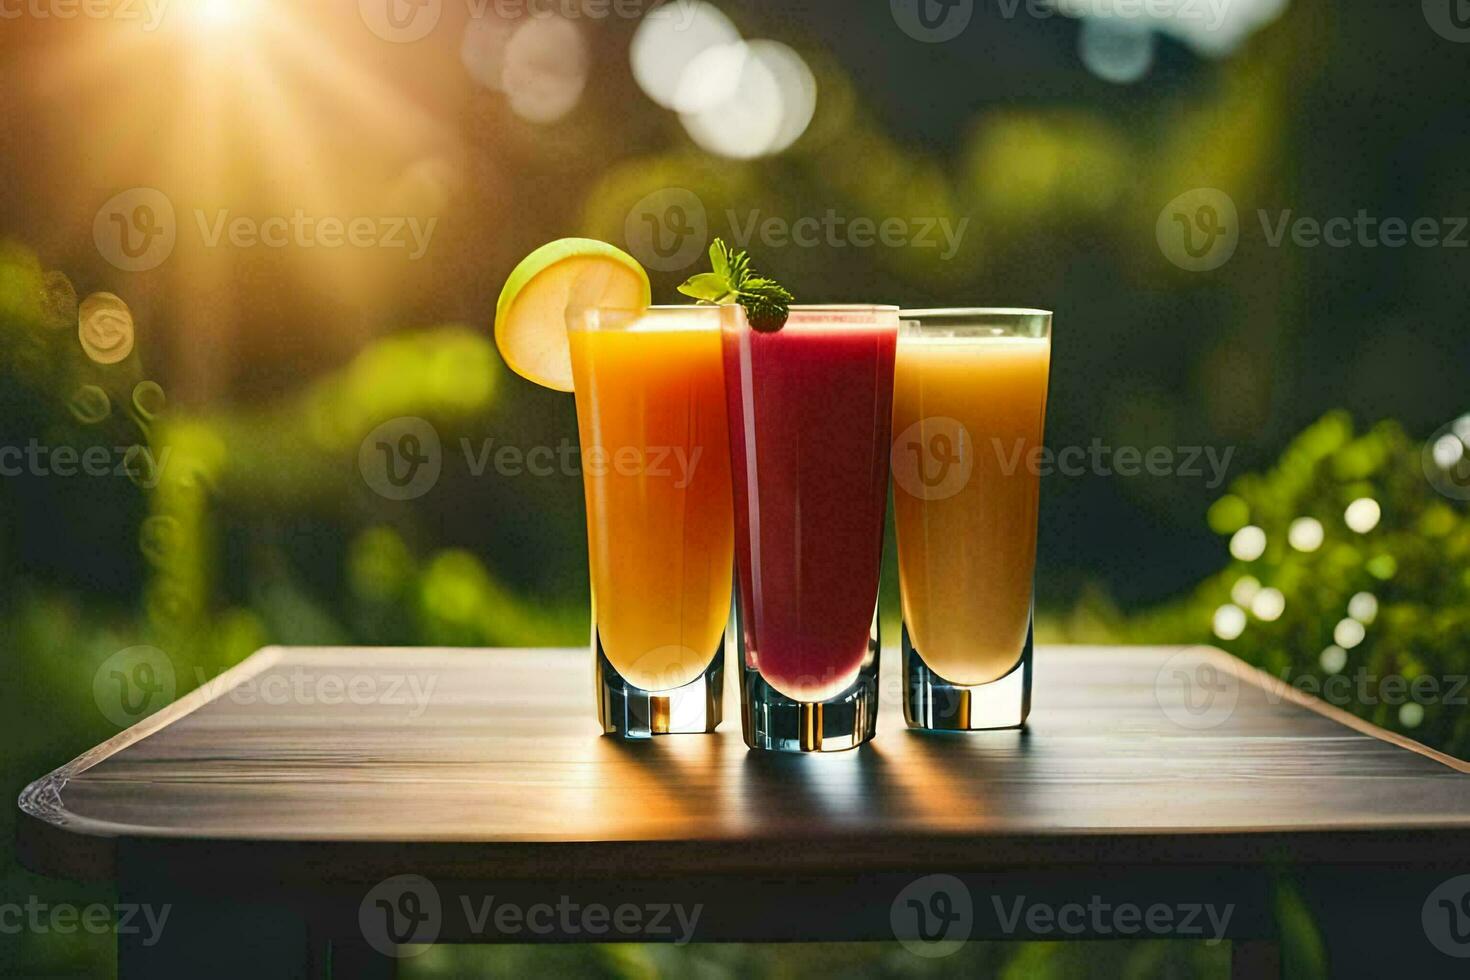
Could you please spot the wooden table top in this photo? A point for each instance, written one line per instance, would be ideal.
(489, 762)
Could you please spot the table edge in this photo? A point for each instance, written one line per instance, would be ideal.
(1275, 687)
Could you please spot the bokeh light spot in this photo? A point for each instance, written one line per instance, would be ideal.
(105, 328)
(1268, 605)
(90, 405)
(1305, 534)
(1448, 450)
(1363, 514)
(482, 51)
(767, 108)
(545, 69)
(149, 399)
(1248, 544)
(1244, 590)
(712, 78)
(668, 41)
(1363, 607)
(1333, 659)
(1348, 633)
(1115, 53)
(1229, 621)
(798, 87)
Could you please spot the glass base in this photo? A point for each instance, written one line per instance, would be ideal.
(631, 712)
(774, 722)
(932, 703)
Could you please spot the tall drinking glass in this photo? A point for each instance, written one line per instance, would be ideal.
(968, 408)
(656, 468)
(810, 410)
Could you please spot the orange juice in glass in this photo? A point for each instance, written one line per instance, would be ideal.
(650, 396)
(969, 408)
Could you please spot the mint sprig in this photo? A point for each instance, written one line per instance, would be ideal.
(767, 303)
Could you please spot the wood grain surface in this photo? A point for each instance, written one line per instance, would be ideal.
(490, 761)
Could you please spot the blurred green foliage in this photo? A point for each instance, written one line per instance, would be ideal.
(857, 961)
(1375, 620)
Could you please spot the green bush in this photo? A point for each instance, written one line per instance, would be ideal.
(1349, 578)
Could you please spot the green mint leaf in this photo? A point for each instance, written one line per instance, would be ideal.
(710, 287)
(767, 303)
(719, 258)
(739, 269)
(768, 288)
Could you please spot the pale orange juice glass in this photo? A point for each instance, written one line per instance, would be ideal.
(969, 408)
(650, 391)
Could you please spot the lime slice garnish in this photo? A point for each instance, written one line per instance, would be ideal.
(571, 273)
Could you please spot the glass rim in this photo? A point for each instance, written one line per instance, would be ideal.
(651, 308)
(843, 308)
(720, 316)
(716, 307)
(587, 319)
(813, 318)
(975, 311)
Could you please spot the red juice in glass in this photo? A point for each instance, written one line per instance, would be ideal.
(810, 411)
